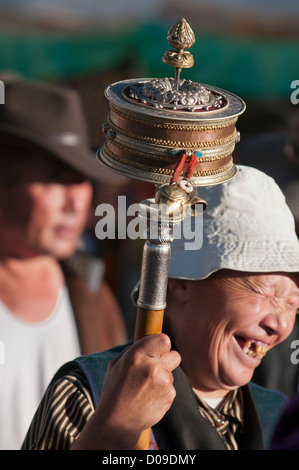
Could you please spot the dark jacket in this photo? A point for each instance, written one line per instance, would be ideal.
(183, 426)
(98, 317)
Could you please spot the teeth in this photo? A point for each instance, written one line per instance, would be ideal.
(261, 350)
(258, 349)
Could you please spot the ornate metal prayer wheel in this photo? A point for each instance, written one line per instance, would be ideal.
(151, 121)
(176, 134)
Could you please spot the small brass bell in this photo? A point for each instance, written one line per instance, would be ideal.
(175, 198)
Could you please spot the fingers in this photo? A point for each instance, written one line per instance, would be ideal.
(171, 360)
(145, 368)
(138, 387)
(156, 346)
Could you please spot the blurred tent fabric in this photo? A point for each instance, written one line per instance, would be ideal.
(254, 67)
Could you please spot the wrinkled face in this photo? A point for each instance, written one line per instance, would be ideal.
(230, 322)
(45, 209)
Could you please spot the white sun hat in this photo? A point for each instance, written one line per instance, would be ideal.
(247, 227)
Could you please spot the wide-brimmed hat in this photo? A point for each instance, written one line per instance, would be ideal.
(247, 227)
(51, 118)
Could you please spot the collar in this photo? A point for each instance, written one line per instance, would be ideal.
(226, 417)
(186, 429)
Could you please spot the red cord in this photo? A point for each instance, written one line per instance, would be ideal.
(180, 164)
(191, 165)
(179, 167)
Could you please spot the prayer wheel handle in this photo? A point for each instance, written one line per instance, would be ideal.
(148, 322)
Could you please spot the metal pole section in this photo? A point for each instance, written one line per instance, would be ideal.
(177, 78)
(152, 300)
(152, 291)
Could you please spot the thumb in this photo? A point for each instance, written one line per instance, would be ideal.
(154, 346)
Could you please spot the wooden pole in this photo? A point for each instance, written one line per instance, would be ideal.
(151, 301)
(148, 322)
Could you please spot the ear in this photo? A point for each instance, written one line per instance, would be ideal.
(179, 289)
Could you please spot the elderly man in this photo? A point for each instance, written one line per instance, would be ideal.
(228, 303)
(50, 311)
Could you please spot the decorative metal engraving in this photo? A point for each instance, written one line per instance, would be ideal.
(180, 36)
(174, 93)
(151, 119)
(191, 96)
(174, 199)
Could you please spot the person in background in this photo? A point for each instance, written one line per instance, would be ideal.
(229, 303)
(54, 301)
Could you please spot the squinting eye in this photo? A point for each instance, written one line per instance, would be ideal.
(294, 307)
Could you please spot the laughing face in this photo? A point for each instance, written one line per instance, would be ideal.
(230, 321)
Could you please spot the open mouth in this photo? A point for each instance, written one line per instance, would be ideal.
(252, 347)
(66, 231)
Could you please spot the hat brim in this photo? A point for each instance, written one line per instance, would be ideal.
(79, 156)
(247, 257)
